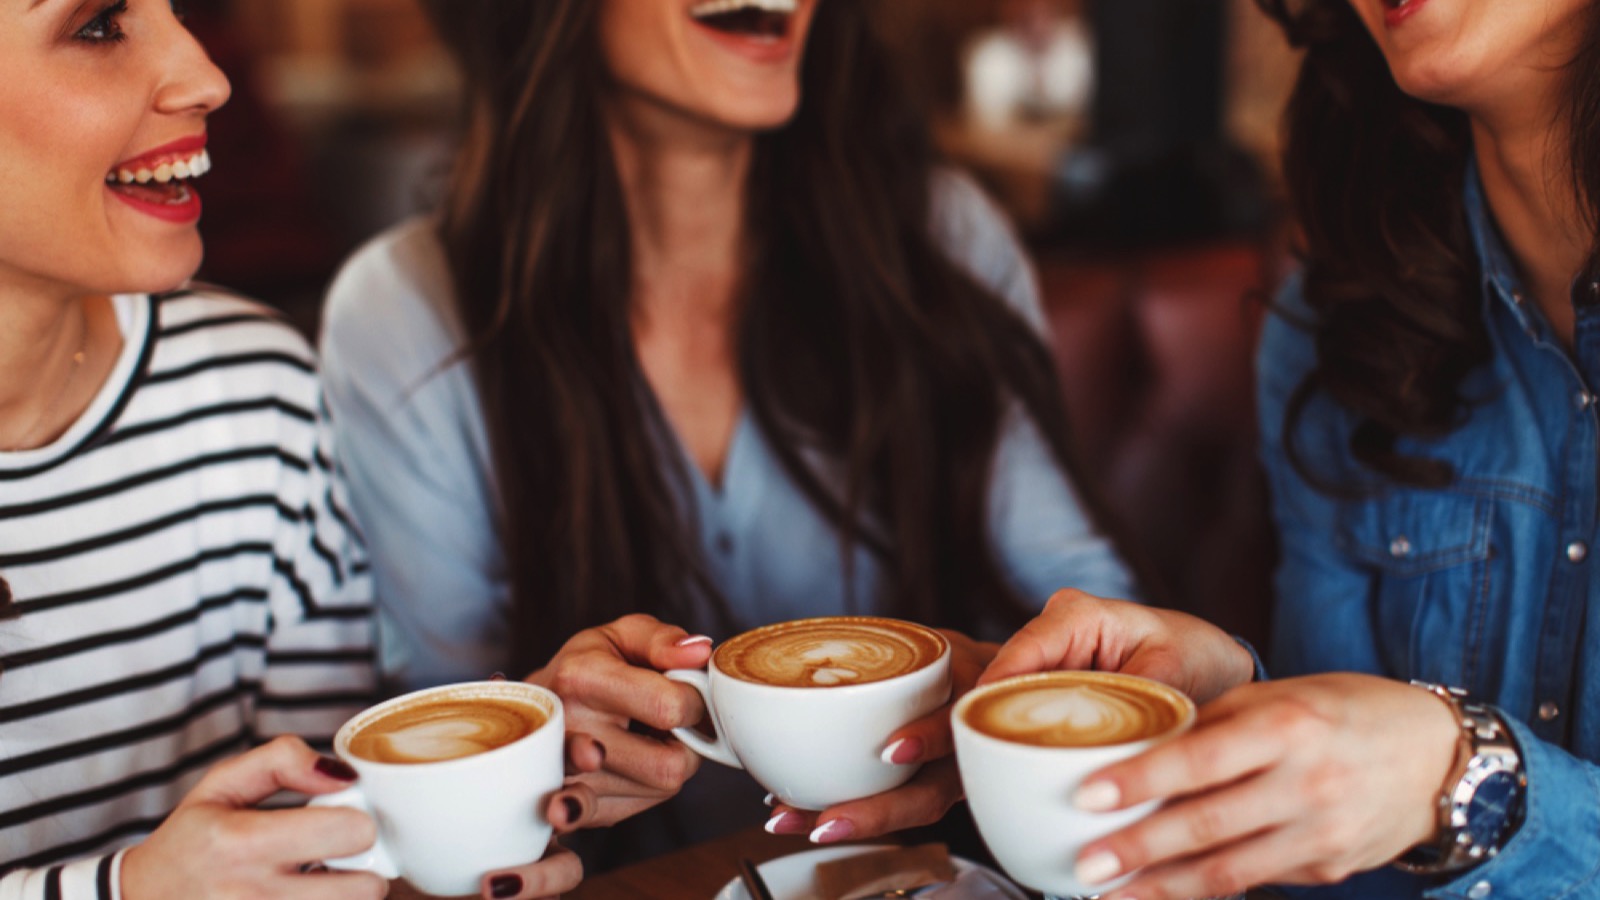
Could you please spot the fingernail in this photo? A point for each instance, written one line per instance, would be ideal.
(833, 832)
(903, 752)
(337, 769)
(505, 885)
(768, 799)
(601, 748)
(1098, 796)
(573, 808)
(1098, 867)
(693, 639)
(498, 676)
(785, 823)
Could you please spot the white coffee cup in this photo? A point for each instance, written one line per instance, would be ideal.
(1021, 794)
(443, 825)
(815, 746)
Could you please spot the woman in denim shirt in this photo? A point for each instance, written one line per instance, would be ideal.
(1428, 416)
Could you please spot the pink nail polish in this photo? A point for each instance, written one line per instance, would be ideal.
(692, 640)
(903, 752)
(785, 823)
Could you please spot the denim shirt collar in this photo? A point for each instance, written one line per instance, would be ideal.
(1501, 283)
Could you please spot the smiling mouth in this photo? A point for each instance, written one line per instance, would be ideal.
(162, 181)
(747, 18)
(1397, 4)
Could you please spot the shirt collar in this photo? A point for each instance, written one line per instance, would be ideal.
(1501, 283)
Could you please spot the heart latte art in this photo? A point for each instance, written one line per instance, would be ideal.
(1077, 709)
(829, 652)
(445, 728)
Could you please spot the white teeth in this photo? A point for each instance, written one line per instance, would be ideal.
(166, 173)
(717, 7)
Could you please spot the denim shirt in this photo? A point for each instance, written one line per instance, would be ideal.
(1484, 584)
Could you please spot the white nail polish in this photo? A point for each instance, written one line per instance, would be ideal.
(1098, 796)
(772, 823)
(692, 640)
(822, 831)
(768, 800)
(888, 752)
(1098, 868)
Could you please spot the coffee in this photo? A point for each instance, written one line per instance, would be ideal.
(444, 728)
(830, 652)
(1077, 709)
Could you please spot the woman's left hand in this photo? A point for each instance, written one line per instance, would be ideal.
(929, 794)
(1299, 781)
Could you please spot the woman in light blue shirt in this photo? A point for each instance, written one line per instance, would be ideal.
(682, 344)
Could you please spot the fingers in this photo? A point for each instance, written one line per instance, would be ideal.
(642, 640)
(295, 835)
(1189, 827)
(1214, 753)
(573, 807)
(1230, 870)
(337, 886)
(610, 685)
(584, 754)
(656, 765)
(560, 871)
(927, 738)
(921, 801)
(284, 764)
(1055, 639)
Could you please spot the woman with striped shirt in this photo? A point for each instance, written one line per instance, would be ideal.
(179, 578)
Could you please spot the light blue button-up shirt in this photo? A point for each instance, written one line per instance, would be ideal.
(1485, 584)
(413, 439)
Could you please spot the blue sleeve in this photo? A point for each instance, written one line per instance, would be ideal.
(412, 438)
(1042, 535)
(1556, 852)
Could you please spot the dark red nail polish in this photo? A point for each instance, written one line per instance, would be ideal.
(498, 676)
(505, 885)
(335, 768)
(574, 809)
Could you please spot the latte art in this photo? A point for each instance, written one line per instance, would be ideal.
(1077, 709)
(444, 729)
(829, 652)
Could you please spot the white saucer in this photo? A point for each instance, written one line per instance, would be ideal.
(790, 877)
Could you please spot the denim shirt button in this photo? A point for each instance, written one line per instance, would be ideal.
(1480, 890)
(1400, 546)
(1548, 710)
(1583, 399)
(1577, 551)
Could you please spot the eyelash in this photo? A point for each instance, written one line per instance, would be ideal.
(104, 27)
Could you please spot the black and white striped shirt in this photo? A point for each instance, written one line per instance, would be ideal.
(188, 584)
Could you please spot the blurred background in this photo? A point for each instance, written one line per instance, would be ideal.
(1133, 143)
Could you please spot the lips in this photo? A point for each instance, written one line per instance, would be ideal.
(1397, 11)
(156, 182)
(759, 19)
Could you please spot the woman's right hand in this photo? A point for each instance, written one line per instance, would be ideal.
(216, 844)
(1080, 631)
(609, 678)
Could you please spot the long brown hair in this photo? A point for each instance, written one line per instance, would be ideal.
(861, 343)
(1390, 272)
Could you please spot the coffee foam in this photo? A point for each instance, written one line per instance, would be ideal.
(829, 652)
(436, 729)
(1077, 709)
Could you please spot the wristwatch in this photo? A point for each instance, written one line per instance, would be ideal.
(1481, 805)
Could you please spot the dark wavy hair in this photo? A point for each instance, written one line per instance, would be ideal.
(1390, 272)
(876, 367)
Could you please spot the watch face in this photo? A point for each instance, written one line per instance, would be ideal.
(1494, 809)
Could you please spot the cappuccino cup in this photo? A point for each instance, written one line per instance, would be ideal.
(807, 706)
(1025, 744)
(457, 778)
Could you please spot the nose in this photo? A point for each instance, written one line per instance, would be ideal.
(192, 83)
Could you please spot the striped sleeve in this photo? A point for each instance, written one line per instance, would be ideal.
(319, 665)
(97, 878)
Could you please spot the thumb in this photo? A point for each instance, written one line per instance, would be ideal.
(285, 764)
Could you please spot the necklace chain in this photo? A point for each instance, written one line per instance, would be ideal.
(44, 416)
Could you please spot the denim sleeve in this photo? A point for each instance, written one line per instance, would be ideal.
(412, 438)
(1556, 853)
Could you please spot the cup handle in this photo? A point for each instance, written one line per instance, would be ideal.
(717, 750)
(375, 859)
